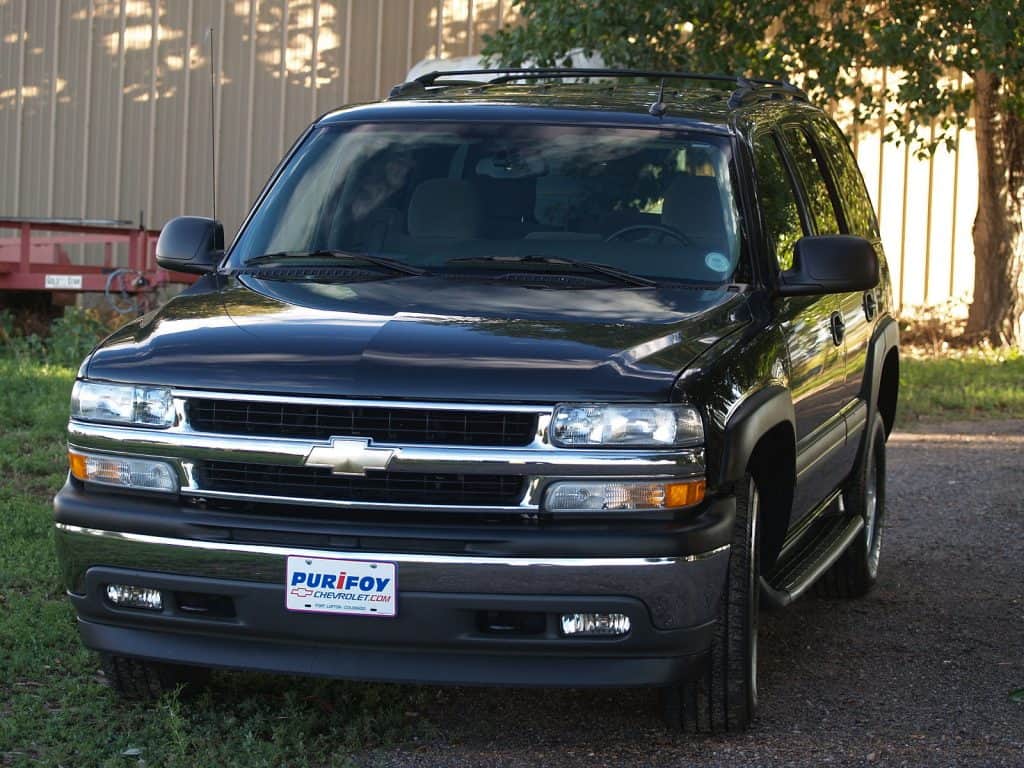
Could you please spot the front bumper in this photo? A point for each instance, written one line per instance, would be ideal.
(440, 634)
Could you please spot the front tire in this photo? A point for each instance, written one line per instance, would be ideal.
(138, 679)
(724, 697)
(856, 571)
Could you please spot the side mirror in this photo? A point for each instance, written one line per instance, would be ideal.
(830, 264)
(190, 244)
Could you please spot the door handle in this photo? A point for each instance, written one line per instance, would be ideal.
(838, 328)
(870, 305)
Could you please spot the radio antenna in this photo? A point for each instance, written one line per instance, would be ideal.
(213, 117)
(659, 107)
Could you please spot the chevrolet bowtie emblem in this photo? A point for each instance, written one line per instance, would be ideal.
(350, 456)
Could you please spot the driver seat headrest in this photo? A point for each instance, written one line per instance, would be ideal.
(693, 205)
(448, 208)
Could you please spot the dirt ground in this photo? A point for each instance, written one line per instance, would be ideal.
(919, 673)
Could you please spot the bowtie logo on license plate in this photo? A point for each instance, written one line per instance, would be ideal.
(350, 456)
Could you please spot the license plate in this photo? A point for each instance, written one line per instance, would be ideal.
(66, 282)
(350, 587)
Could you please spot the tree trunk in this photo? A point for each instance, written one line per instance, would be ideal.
(995, 311)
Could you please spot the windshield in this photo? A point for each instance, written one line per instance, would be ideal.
(441, 196)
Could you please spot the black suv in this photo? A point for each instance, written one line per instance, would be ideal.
(550, 379)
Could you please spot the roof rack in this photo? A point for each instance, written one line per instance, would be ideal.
(751, 89)
(747, 88)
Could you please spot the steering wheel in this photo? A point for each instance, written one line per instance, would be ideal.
(664, 229)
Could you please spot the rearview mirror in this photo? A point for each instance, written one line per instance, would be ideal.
(190, 244)
(830, 264)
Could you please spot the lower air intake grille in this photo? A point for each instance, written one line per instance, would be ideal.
(379, 487)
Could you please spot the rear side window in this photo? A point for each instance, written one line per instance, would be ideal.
(812, 174)
(778, 200)
(860, 215)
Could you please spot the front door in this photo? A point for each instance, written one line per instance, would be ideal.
(809, 325)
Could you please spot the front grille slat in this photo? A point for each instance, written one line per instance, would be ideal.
(381, 487)
(414, 426)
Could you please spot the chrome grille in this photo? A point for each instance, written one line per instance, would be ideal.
(409, 426)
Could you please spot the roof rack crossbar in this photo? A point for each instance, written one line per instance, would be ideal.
(752, 89)
(746, 87)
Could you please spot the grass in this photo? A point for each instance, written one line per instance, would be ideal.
(966, 384)
(55, 708)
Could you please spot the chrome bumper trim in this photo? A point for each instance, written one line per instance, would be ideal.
(529, 460)
(675, 589)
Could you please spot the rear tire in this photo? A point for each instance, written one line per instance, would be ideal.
(724, 697)
(143, 680)
(856, 571)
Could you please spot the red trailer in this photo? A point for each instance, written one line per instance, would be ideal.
(36, 267)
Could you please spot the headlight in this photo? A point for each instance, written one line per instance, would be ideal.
(122, 404)
(650, 426)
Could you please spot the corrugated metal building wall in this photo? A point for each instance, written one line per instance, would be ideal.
(105, 111)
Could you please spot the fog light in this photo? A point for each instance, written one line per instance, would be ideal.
(125, 472)
(127, 596)
(594, 624)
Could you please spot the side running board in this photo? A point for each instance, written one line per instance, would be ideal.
(792, 577)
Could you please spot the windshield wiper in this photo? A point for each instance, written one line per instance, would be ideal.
(377, 261)
(584, 266)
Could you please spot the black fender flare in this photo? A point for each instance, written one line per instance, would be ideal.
(885, 339)
(758, 413)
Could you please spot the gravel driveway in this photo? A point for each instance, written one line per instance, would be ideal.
(918, 673)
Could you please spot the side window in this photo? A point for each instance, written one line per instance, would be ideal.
(819, 198)
(860, 215)
(778, 200)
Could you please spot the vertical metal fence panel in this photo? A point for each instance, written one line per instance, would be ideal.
(102, 148)
(915, 189)
(71, 42)
(234, 90)
(966, 207)
(10, 92)
(135, 109)
(298, 52)
(36, 110)
(169, 129)
(267, 106)
(331, 70)
(394, 37)
(363, 53)
(455, 35)
(424, 34)
(938, 235)
(198, 146)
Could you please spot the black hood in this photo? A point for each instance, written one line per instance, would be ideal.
(424, 338)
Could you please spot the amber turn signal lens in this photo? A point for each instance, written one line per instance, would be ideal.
(684, 494)
(77, 463)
